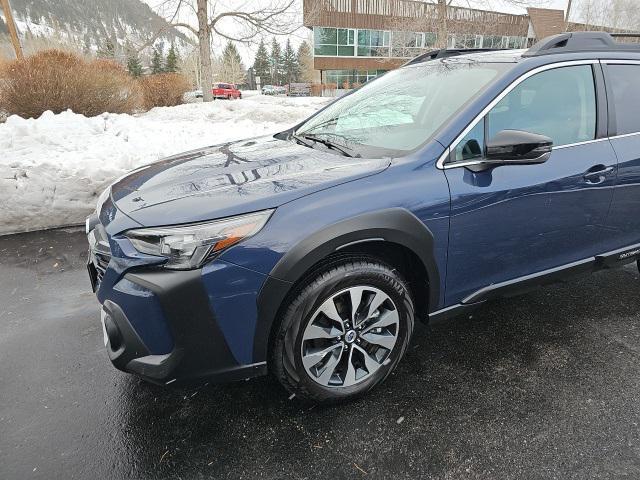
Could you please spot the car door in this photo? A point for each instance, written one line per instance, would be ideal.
(623, 91)
(511, 221)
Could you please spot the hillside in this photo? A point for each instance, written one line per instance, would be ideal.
(87, 24)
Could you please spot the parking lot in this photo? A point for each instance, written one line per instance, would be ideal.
(545, 385)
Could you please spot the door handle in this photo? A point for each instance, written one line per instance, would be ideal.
(597, 174)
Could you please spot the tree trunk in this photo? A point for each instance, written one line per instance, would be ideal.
(204, 41)
(442, 24)
(13, 31)
(566, 17)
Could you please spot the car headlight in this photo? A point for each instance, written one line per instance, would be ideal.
(189, 246)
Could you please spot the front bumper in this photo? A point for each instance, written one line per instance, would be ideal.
(168, 326)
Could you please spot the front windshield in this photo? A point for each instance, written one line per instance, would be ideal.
(402, 110)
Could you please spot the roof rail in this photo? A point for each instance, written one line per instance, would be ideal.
(625, 35)
(582, 42)
(447, 52)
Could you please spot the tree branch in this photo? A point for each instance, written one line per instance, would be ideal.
(185, 25)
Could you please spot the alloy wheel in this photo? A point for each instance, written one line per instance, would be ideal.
(350, 336)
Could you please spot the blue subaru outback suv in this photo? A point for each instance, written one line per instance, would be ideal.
(460, 177)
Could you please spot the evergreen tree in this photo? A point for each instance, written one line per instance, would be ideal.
(290, 66)
(305, 62)
(231, 67)
(275, 62)
(133, 64)
(86, 49)
(156, 61)
(171, 65)
(108, 50)
(261, 65)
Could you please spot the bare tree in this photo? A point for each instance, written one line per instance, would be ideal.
(611, 15)
(204, 42)
(434, 28)
(242, 22)
(190, 67)
(485, 23)
(443, 31)
(568, 12)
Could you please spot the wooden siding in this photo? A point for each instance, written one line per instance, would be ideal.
(546, 22)
(409, 15)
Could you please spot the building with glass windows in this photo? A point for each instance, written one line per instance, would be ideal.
(356, 40)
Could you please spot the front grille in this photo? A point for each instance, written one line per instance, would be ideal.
(99, 252)
(101, 261)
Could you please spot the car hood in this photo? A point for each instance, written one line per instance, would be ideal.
(231, 179)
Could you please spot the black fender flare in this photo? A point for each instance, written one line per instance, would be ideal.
(394, 225)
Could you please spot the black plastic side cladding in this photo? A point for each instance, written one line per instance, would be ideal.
(394, 225)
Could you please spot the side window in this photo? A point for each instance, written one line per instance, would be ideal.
(626, 96)
(558, 103)
(472, 145)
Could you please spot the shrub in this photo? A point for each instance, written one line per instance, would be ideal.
(316, 89)
(56, 80)
(163, 90)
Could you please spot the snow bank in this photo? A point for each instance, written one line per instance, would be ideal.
(53, 168)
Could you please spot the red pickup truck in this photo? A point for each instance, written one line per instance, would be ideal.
(226, 90)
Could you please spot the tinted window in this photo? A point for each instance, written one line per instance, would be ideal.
(558, 103)
(625, 84)
(471, 147)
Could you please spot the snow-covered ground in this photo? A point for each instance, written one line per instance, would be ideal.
(53, 168)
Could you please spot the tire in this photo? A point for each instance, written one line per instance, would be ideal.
(296, 346)
(228, 97)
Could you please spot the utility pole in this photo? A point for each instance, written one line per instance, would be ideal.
(13, 31)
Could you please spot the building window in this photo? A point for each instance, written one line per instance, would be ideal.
(349, 78)
(492, 41)
(411, 44)
(350, 42)
(516, 42)
(373, 43)
(430, 39)
(462, 40)
(334, 41)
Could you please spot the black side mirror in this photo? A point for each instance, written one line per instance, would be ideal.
(514, 147)
(517, 146)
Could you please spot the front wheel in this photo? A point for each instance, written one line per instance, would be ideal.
(345, 331)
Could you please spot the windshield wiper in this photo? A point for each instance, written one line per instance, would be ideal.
(323, 141)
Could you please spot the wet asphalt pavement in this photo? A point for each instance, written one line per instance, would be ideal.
(546, 385)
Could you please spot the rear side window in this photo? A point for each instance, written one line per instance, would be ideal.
(558, 103)
(625, 85)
